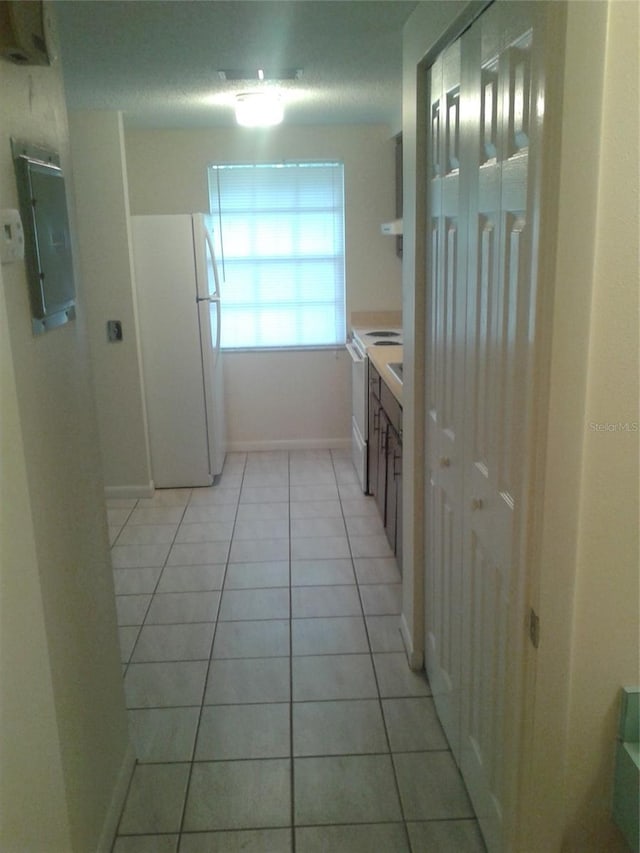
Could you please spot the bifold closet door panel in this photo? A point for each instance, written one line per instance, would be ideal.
(444, 393)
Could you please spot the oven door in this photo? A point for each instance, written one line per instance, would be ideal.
(359, 401)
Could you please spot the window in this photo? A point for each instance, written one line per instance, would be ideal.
(281, 248)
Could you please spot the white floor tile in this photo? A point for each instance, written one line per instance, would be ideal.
(261, 528)
(148, 534)
(258, 550)
(239, 795)
(303, 528)
(157, 515)
(229, 732)
(325, 677)
(252, 639)
(164, 685)
(321, 572)
(138, 556)
(329, 636)
(363, 838)
(162, 735)
(316, 509)
(308, 601)
(263, 511)
(210, 531)
(136, 581)
(257, 575)
(191, 578)
(370, 546)
(326, 492)
(202, 514)
(172, 607)
(396, 679)
(174, 642)
(431, 786)
(384, 633)
(447, 836)
(239, 841)
(381, 599)
(155, 799)
(264, 494)
(241, 680)
(146, 844)
(377, 570)
(198, 553)
(214, 496)
(338, 728)
(248, 604)
(320, 547)
(345, 789)
(413, 724)
(131, 609)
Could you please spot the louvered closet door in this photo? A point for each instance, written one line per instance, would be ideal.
(445, 387)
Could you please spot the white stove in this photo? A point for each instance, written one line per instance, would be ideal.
(361, 340)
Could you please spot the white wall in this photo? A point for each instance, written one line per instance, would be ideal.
(587, 595)
(605, 651)
(289, 398)
(102, 200)
(64, 727)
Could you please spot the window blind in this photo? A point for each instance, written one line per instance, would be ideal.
(281, 245)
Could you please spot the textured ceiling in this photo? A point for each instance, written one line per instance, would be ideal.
(157, 60)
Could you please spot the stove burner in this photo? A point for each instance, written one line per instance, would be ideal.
(383, 334)
(387, 344)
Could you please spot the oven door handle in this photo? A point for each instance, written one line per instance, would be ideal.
(354, 353)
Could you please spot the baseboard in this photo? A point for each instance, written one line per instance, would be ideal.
(415, 657)
(290, 444)
(110, 826)
(130, 492)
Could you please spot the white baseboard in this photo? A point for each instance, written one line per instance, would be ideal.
(290, 444)
(110, 826)
(130, 492)
(415, 657)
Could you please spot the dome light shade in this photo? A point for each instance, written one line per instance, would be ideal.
(259, 109)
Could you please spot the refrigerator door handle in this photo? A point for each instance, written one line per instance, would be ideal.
(213, 261)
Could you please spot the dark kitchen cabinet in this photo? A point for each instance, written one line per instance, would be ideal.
(385, 458)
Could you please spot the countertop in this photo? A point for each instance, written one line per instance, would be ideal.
(381, 357)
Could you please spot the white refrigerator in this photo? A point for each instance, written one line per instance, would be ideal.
(178, 302)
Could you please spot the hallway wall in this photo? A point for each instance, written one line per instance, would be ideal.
(64, 731)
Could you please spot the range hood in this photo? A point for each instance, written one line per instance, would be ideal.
(392, 229)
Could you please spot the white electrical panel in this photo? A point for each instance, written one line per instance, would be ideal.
(11, 237)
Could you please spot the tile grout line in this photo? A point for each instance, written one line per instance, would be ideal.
(379, 697)
(162, 568)
(193, 762)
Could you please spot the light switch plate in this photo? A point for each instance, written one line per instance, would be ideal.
(11, 237)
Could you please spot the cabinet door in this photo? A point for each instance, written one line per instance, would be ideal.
(391, 496)
(373, 443)
(383, 449)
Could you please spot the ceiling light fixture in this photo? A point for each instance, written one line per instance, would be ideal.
(259, 109)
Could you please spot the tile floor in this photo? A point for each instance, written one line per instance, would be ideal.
(271, 706)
